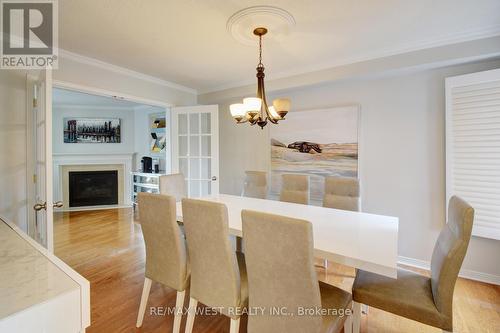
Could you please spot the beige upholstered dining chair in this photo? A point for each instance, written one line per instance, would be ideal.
(342, 193)
(281, 275)
(218, 274)
(417, 297)
(174, 185)
(255, 185)
(166, 257)
(295, 188)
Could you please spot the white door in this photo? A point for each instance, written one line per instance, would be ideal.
(195, 148)
(40, 224)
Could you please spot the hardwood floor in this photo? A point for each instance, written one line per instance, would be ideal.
(106, 247)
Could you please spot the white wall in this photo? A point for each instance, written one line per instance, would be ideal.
(402, 158)
(82, 73)
(13, 203)
(127, 130)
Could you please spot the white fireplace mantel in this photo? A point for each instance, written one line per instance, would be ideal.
(84, 159)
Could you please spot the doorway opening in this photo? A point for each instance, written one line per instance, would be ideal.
(81, 129)
(100, 141)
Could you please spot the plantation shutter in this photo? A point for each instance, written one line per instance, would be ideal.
(473, 146)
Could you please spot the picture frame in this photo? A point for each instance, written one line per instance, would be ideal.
(92, 130)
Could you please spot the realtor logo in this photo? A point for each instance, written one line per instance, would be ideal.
(29, 34)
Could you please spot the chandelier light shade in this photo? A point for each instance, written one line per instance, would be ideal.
(238, 111)
(282, 106)
(252, 104)
(255, 110)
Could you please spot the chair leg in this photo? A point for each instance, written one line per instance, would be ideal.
(179, 307)
(348, 325)
(144, 301)
(191, 314)
(356, 308)
(235, 326)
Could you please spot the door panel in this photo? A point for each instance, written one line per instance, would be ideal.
(40, 226)
(196, 148)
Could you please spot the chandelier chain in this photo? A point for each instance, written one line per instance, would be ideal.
(260, 51)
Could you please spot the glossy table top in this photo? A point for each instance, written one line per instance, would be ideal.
(360, 240)
(27, 277)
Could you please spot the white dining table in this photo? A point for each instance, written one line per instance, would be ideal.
(361, 240)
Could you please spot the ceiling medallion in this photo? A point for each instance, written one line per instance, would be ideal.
(241, 24)
(255, 109)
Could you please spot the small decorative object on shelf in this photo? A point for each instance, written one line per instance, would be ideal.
(158, 124)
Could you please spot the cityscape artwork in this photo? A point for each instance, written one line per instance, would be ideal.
(88, 130)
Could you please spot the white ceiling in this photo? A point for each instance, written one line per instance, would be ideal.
(186, 42)
(62, 97)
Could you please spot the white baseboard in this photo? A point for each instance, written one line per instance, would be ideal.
(464, 273)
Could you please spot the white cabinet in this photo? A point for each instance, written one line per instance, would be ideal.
(144, 182)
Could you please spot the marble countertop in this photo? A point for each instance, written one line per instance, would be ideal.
(27, 277)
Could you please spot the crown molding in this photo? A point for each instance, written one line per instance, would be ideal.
(437, 41)
(147, 108)
(141, 108)
(93, 107)
(124, 71)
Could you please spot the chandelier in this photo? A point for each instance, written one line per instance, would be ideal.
(255, 110)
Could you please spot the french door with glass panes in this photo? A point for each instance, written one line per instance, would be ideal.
(39, 157)
(195, 148)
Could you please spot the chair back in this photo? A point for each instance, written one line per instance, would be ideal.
(295, 189)
(449, 253)
(166, 259)
(280, 266)
(255, 185)
(174, 185)
(215, 275)
(342, 193)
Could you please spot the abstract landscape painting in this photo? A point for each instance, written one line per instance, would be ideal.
(87, 130)
(318, 143)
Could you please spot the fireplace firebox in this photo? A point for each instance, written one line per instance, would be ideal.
(93, 188)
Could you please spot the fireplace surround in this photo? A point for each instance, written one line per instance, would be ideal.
(76, 162)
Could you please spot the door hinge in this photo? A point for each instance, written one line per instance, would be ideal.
(34, 178)
(35, 96)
